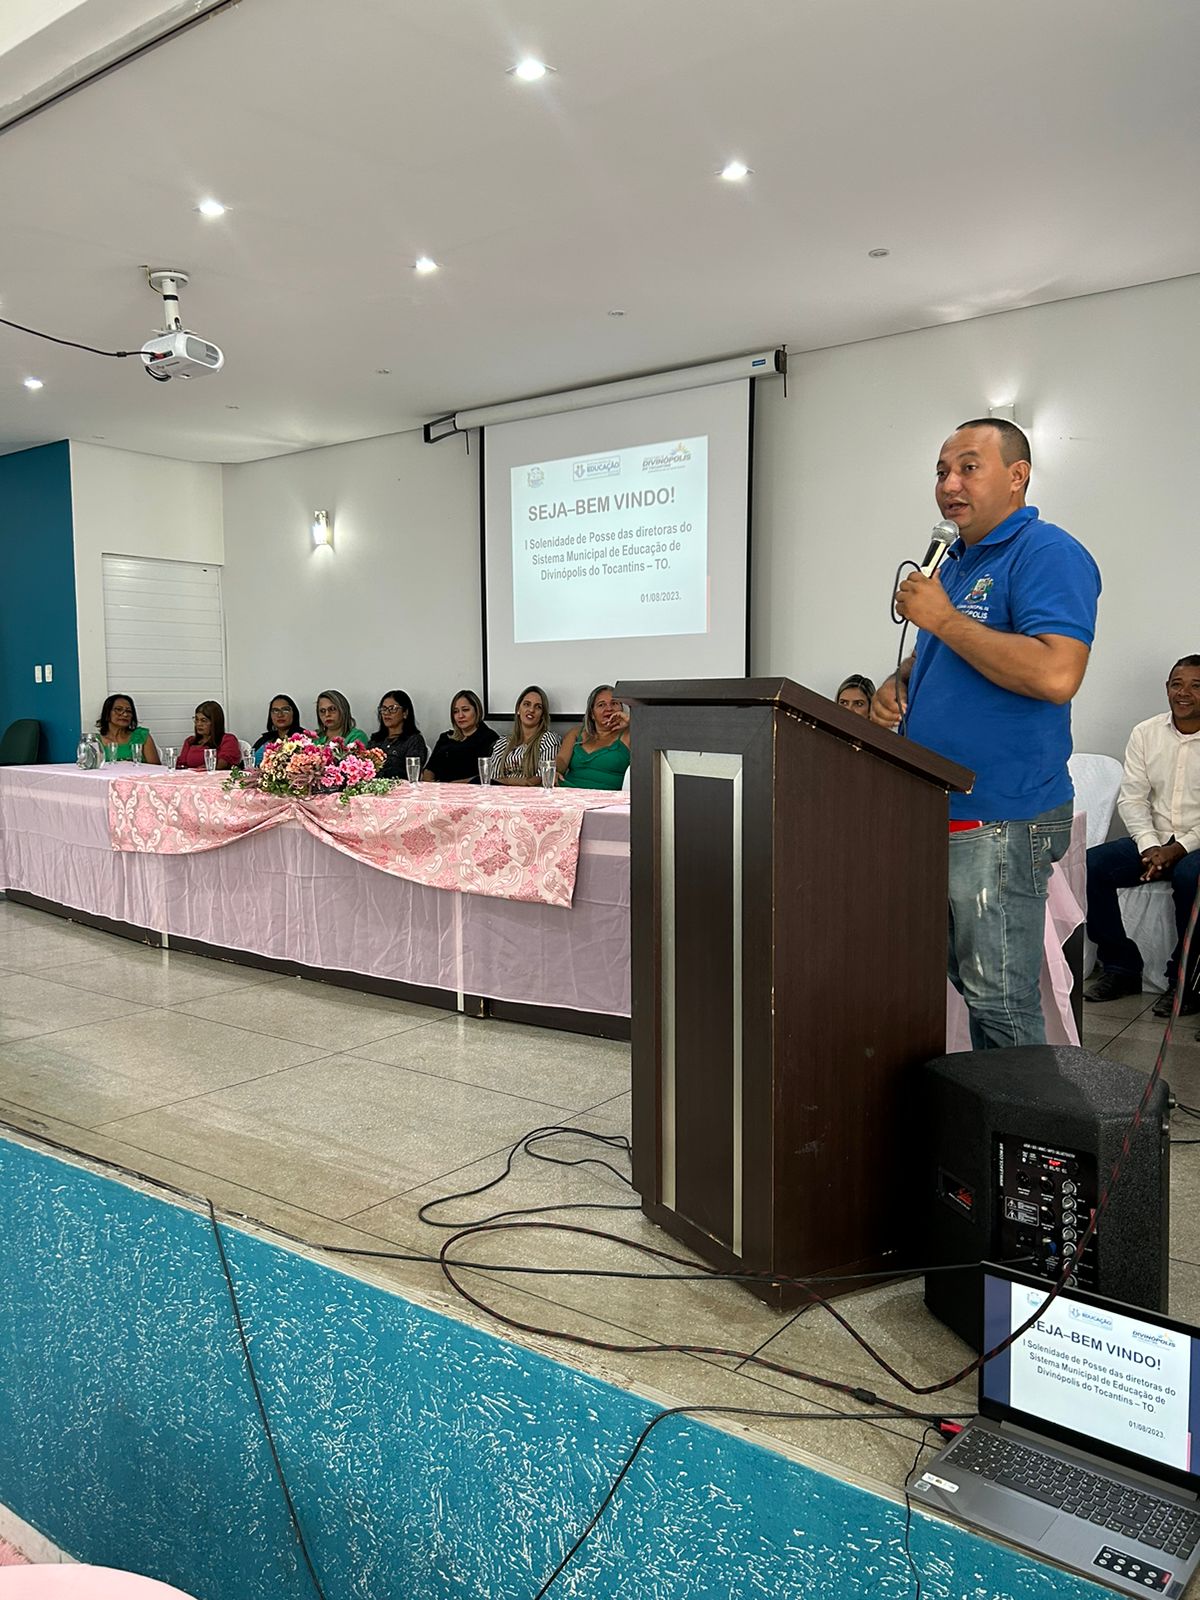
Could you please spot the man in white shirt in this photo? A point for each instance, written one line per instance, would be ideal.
(1160, 806)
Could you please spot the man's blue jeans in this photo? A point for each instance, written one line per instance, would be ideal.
(999, 875)
(1118, 865)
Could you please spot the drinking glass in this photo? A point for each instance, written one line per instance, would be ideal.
(549, 770)
(210, 760)
(485, 769)
(412, 765)
(169, 753)
(137, 752)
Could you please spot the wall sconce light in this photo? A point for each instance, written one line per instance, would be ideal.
(322, 529)
(1005, 413)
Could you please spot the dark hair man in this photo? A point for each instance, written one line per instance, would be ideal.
(1160, 806)
(1006, 628)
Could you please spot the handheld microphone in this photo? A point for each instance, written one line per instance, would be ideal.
(942, 537)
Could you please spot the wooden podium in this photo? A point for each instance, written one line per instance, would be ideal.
(788, 884)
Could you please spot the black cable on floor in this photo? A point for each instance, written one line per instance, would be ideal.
(930, 1422)
(259, 1402)
(911, 1559)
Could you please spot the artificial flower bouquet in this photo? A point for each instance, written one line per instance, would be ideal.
(300, 768)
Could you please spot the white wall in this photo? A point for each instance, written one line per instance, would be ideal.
(843, 490)
(393, 604)
(1107, 388)
(127, 504)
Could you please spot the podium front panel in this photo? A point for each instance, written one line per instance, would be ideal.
(788, 943)
(700, 798)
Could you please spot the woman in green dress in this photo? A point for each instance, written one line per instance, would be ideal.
(596, 754)
(121, 732)
(336, 720)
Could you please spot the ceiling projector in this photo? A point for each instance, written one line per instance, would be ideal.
(176, 353)
(180, 354)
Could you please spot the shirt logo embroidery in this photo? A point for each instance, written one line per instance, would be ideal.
(975, 604)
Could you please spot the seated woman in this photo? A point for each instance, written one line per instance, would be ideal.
(209, 723)
(455, 757)
(120, 731)
(518, 759)
(398, 735)
(335, 720)
(596, 755)
(856, 694)
(283, 722)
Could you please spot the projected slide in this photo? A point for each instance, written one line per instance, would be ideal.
(1104, 1374)
(611, 545)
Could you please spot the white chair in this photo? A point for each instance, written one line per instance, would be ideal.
(625, 779)
(247, 754)
(1097, 781)
(1147, 911)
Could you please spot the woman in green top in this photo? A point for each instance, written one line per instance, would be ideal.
(336, 720)
(596, 755)
(121, 731)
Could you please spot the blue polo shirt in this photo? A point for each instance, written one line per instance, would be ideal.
(1026, 576)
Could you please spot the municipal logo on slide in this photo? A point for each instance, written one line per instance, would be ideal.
(535, 477)
(667, 459)
(596, 467)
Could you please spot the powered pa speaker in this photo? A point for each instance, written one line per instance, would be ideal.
(1015, 1147)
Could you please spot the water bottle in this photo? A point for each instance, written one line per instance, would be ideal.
(90, 753)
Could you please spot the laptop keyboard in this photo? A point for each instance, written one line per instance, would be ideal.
(1162, 1524)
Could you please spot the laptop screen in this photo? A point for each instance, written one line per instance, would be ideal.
(1119, 1381)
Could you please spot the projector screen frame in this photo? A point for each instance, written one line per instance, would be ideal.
(575, 717)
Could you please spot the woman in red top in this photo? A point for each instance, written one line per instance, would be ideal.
(210, 735)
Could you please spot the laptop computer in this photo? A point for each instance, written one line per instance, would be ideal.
(1085, 1447)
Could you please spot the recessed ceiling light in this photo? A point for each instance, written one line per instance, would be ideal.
(878, 254)
(211, 208)
(616, 313)
(735, 171)
(232, 408)
(383, 372)
(425, 264)
(33, 383)
(529, 70)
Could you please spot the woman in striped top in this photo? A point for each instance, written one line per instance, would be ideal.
(518, 759)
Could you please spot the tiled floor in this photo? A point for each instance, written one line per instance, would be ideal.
(335, 1116)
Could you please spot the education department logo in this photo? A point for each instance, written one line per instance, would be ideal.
(667, 460)
(535, 477)
(596, 467)
(983, 587)
(1086, 1314)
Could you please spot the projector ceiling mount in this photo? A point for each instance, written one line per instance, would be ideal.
(176, 353)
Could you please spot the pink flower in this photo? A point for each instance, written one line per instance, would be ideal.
(331, 779)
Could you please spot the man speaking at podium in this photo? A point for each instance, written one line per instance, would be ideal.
(1006, 624)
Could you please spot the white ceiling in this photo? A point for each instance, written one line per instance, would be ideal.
(1006, 154)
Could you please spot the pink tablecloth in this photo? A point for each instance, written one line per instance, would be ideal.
(286, 894)
(513, 844)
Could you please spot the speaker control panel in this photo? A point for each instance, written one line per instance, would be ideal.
(1046, 1198)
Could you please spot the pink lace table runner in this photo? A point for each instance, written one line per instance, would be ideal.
(513, 844)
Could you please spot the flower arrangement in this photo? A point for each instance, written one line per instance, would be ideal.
(302, 768)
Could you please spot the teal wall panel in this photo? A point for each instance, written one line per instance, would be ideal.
(429, 1460)
(37, 596)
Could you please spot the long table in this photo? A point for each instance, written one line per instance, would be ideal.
(286, 897)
